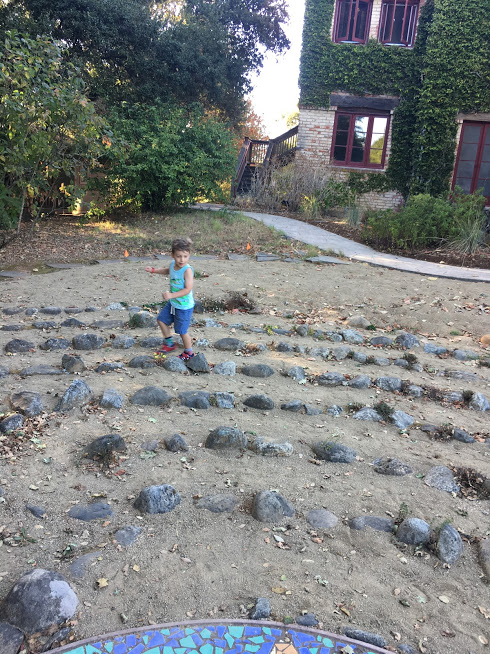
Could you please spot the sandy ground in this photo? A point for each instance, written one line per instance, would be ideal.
(191, 563)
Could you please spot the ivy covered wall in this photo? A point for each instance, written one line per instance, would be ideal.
(447, 71)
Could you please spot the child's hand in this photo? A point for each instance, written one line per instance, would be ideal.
(167, 295)
(149, 269)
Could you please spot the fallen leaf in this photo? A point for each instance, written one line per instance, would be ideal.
(136, 568)
(279, 590)
(485, 612)
(102, 582)
(344, 610)
(483, 640)
(444, 599)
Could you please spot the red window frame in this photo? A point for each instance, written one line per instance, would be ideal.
(365, 163)
(409, 22)
(352, 6)
(482, 156)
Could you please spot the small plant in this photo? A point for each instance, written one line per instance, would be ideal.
(454, 332)
(469, 221)
(410, 358)
(94, 212)
(403, 513)
(384, 410)
(467, 396)
(353, 407)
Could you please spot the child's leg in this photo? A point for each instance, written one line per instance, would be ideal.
(166, 331)
(183, 319)
(187, 341)
(164, 321)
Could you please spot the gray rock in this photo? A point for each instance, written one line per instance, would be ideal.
(267, 447)
(19, 345)
(223, 400)
(364, 636)
(321, 519)
(484, 556)
(4, 372)
(322, 352)
(72, 363)
(465, 355)
(260, 370)
(198, 363)
(115, 306)
(229, 344)
(461, 374)
(455, 397)
(151, 396)
(12, 423)
(297, 373)
(176, 443)
(87, 512)
(391, 466)
(401, 363)
(110, 366)
(284, 347)
(430, 348)
(12, 311)
(335, 337)
(79, 567)
(406, 649)
(361, 381)
(307, 620)
(334, 410)
(381, 361)
(157, 499)
(217, 503)
(151, 342)
(209, 322)
(373, 522)
(12, 328)
(406, 340)
(449, 545)
(195, 399)
(150, 446)
(127, 535)
(429, 429)
(111, 399)
(334, 452)
(341, 353)
(413, 531)
(381, 341)
(401, 419)
(359, 357)
(77, 394)
(37, 511)
(300, 349)
(463, 436)
(55, 344)
(227, 368)
(414, 391)
(27, 402)
(261, 610)
(442, 478)
(479, 402)
(73, 322)
(202, 342)
(223, 438)
(72, 310)
(301, 330)
(44, 324)
(331, 379)
(51, 311)
(295, 406)
(352, 336)
(281, 332)
(359, 321)
(11, 639)
(312, 411)
(271, 507)
(31, 311)
(262, 402)
(388, 383)
(143, 361)
(88, 341)
(39, 601)
(174, 364)
(104, 446)
(142, 319)
(91, 309)
(39, 370)
(366, 413)
(123, 342)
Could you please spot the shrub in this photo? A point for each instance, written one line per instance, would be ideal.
(469, 221)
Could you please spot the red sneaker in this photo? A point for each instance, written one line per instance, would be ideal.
(166, 348)
(185, 356)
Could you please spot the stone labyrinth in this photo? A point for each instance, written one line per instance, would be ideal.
(323, 475)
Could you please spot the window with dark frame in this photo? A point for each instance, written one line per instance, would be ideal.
(398, 22)
(359, 139)
(352, 21)
(472, 170)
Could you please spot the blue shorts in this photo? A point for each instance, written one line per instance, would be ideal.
(181, 318)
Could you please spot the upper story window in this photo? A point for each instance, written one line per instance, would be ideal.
(352, 20)
(359, 139)
(398, 22)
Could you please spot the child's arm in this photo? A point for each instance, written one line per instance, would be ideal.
(188, 285)
(157, 271)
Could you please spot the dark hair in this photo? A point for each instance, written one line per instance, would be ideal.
(181, 244)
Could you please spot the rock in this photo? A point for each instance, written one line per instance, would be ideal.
(72, 310)
(284, 347)
(40, 601)
(11, 639)
(223, 400)
(55, 344)
(195, 399)
(151, 396)
(127, 535)
(465, 355)
(391, 466)
(17, 345)
(406, 340)
(333, 336)
(358, 321)
(271, 507)
(260, 370)
(88, 512)
(334, 410)
(77, 394)
(227, 368)
(11, 423)
(479, 402)
(388, 383)
(484, 556)
(267, 447)
(449, 545)
(322, 352)
(202, 342)
(39, 370)
(110, 366)
(51, 311)
(352, 336)
(414, 391)
(91, 309)
(123, 342)
(198, 363)
(401, 419)
(88, 342)
(334, 452)
(104, 446)
(115, 306)
(31, 311)
(461, 374)
(381, 361)
(262, 402)
(142, 319)
(463, 436)
(281, 332)
(79, 566)
(361, 381)
(429, 429)
(151, 342)
(401, 363)
(341, 353)
(331, 379)
(297, 373)
(12, 328)
(217, 503)
(430, 348)
(261, 610)
(37, 511)
(295, 406)
(143, 361)
(176, 443)
(12, 311)
(312, 411)
(111, 399)
(359, 357)
(381, 341)
(301, 330)
(413, 531)
(366, 413)
(150, 446)
(157, 499)
(406, 649)
(442, 478)
(44, 324)
(73, 322)
(229, 344)
(321, 519)
(307, 620)
(364, 636)
(209, 322)
(4, 372)
(72, 363)
(455, 397)
(223, 438)
(373, 522)
(174, 364)
(27, 402)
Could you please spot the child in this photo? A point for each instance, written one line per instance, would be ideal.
(180, 305)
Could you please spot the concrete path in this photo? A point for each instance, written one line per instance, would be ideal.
(356, 251)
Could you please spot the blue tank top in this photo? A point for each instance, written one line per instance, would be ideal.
(177, 283)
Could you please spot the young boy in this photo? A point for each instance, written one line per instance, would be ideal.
(180, 305)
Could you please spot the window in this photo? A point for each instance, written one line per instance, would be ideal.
(398, 22)
(352, 19)
(472, 170)
(360, 140)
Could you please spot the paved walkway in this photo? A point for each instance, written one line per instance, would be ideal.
(356, 251)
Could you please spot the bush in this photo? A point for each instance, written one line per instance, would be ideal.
(469, 221)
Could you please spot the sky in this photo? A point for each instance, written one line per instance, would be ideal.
(276, 90)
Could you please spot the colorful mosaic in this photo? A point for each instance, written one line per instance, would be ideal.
(221, 638)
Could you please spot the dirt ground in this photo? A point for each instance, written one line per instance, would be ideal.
(191, 563)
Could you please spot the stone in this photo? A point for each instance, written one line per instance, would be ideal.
(479, 402)
(202, 342)
(44, 324)
(367, 413)
(104, 446)
(79, 567)
(335, 337)
(324, 259)
(359, 321)
(110, 366)
(341, 353)
(111, 399)
(267, 447)
(174, 364)
(322, 352)
(12, 311)
(217, 503)
(301, 330)
(271, 507)
(28, 403)
(91, 309)
(73, 322)
(401, 419)
(284, 347)
(11, 639)
(413, 531)
(150, 446)
(307, 620)
(55, 344)
(223, 438)
(127, 535)
(388, 383)
(223, 400)
(321, 519)
(39, 370)
(176, 443)
(142, 319)
(72, 363)
(334, 410)
(442, 478)
(381, 341)
(198, 363)
(406, 649)
(209, 322)
(31, 311)
(229, 344)
(261, 610)
(51, 311)
(11, 423)
(77, 394)
(195, 399)
(295, 406)
(461, 374)
(40, 601)
(361, 381)
(391, 466)
(227, 368)
(449, 545)
(352, 336)
(331, 379)
(260, 370)
(262, 402)
(312, 411)
(88, 341)
(151, 396)
(4, 372)
(430, 348)
(414, 391)
(297, 373)
(381, 361)
(463, 436)
(406, 341)
(17, 345)
(143, 361)
(123, 342)
(373, 522)
(484, 556)
(157, 499)
(87, 512)
(334, 452)
(429, 429)
(401, 363)
(115, 306)
(72, 310)
(12, 328)
(465, 355)
(364, 636)
(37, 511)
